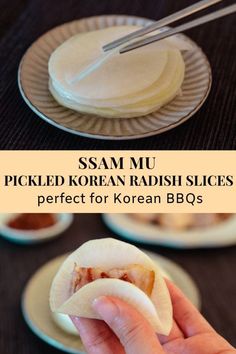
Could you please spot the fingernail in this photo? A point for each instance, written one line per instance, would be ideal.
(105, 308)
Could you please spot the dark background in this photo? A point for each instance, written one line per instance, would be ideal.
(22, 22)
(213, 271)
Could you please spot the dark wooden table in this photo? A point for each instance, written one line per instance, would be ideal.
(22, 22)
(213, 270)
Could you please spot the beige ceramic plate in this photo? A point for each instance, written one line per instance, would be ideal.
(219, 235)
(33, 84)
(35, 305)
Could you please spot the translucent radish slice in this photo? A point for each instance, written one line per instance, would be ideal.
(109, 254)
(119, 75)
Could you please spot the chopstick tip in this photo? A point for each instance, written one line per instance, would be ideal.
(105, 48)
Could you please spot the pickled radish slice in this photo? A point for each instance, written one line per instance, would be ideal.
(167, 87)
(84, 78)
(113, 257)
(65, 323)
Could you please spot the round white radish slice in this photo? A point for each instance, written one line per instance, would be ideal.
(174, 63)
(118, 75)
(108, 254)
(163, 91)
(165, 88)
(86, 79)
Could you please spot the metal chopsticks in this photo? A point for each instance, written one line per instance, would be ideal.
(191, 24)
(163, 22)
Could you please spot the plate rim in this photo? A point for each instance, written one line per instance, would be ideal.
(40, 334)
(32, 326)
(101, 136)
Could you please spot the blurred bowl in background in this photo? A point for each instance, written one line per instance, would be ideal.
(216, 235)
(62, 222)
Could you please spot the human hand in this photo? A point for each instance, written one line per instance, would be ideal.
(191, 333)
(125, 330)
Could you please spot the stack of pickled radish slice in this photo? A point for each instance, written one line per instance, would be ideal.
(113, 85)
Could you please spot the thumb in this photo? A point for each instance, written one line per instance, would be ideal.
(133, 330)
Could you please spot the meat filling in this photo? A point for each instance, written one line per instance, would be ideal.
(136, 274)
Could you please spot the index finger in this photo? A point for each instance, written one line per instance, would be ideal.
(188, 318)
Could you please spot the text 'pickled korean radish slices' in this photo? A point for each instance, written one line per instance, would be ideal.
(108, 267)
(114, 85)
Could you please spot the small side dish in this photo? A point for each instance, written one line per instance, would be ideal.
(111, 267)
(114, 85)
(29, 228)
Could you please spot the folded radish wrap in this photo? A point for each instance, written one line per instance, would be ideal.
(112, 255)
